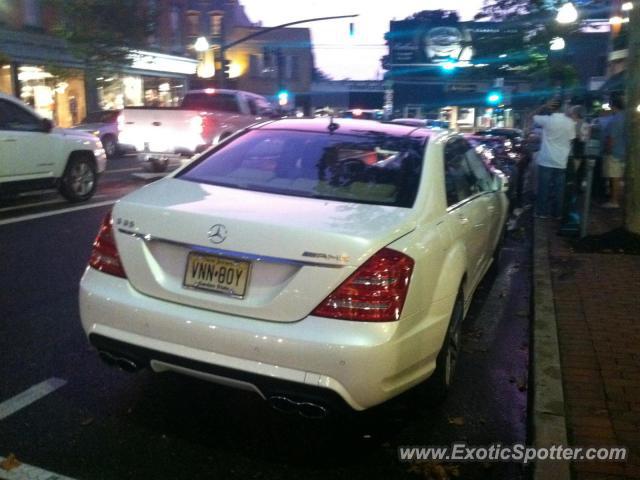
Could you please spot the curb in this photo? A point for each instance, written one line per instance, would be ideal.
(548, 422)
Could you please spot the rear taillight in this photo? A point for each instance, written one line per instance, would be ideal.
(375, 292)
(197, 124)
(104, 256)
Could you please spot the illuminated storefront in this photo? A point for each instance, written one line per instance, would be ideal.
(154, 79)
(59, 97)
(43, 73)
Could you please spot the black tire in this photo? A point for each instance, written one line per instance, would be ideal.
(80, 179)
(439, 383)
(110, 145)
(157, 165)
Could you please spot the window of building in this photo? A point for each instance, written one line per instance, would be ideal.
(6, 80)
(193, 23)
(291, 67)
(255, 65)
(32, 13)
(176, 28)
(215, 23)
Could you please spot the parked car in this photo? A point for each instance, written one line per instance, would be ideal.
(205, 117)
(34, 155)
(103, 124)
(422, 122)
(363, 114)
(271, 264)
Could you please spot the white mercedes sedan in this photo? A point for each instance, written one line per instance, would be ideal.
(320, 263)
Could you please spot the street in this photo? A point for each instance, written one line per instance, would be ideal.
(103, 423)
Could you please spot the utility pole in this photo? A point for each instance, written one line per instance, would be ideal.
(632, 177)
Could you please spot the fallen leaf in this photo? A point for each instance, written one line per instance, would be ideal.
(459, 421)
(522, 385)
(9, 463)
(87, 421)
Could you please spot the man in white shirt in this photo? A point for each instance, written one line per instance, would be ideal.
(558, 131)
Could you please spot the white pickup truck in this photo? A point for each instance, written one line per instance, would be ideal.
(205, 117)
(34, 155)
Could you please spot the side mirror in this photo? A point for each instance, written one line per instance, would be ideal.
(500, 181)
(47, 125)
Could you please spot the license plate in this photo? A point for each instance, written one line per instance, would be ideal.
(217, 274)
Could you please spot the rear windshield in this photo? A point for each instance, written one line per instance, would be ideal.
(371, 168)
(211, 102)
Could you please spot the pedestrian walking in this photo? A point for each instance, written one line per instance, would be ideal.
(558, 132)
(615, 144)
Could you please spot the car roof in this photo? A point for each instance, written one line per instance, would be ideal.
(346, 126)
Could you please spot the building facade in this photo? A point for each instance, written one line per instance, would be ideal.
(41, 69)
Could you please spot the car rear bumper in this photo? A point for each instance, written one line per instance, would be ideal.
(319, 359)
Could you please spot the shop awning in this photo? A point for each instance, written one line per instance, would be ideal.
(26, 47)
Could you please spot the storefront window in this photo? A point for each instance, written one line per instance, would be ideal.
(116, 92)
(163, 92)
(6, 85)
(60, 97)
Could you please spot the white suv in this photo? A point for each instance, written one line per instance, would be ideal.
(35, 155)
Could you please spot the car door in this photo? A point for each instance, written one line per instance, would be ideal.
(466, 217)
(486, 208)
(25, 146)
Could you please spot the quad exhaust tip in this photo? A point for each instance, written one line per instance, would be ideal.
(123, 363)
(303, 408)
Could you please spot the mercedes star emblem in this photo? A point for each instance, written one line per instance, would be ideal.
(217, 233)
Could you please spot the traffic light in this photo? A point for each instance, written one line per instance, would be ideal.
(226, 65)
(283, 98)
(352, 30)
(449, 66)
(494, 98)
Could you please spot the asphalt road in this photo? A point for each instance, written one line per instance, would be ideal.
(106, 424)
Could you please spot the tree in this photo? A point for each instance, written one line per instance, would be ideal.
(632, 179)
(527, 29)
(102, 33)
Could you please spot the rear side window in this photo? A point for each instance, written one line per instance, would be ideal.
(14, 117)
(365, 168)
(211, 102)
(465, 173)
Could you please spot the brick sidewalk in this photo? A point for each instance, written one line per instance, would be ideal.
(597, 301)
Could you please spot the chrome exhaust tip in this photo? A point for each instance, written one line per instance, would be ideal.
(127, 365)
(107, 358)
(123, 363)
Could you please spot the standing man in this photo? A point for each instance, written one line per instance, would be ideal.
(558, 131)
(615, 149)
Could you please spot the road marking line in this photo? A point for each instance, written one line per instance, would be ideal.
(40, 204)
(122, 170)
(29, 472)
(35, 216)
(29, 396)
